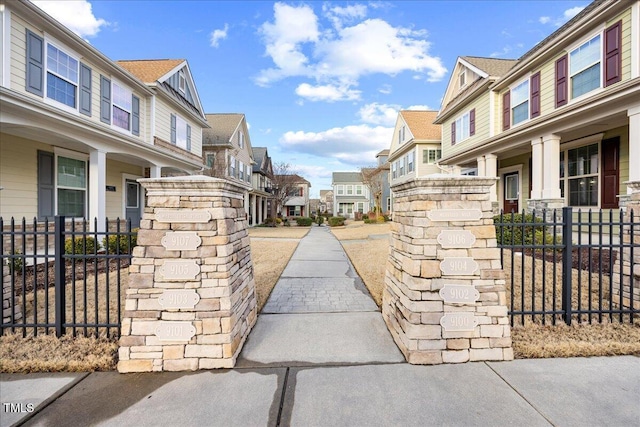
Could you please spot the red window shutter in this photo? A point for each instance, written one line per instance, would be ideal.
(506, 111)
(562, 82)
(612, 54)
(535, 95)
(472, 122)
(453, 132)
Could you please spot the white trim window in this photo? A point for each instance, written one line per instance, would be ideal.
(349, 190)
(241, 139)
(340, 190)
(240, 171)
(359, 190)
(410, 161)
(431, 155)
(394, 170)
(71, 186)
(122, 107)
(182, 82)
(462, 78)
(580, 174)
(462, 127)
(520, 102)
(232, 166)
(584, 67)
(401, 135)
(181, 132)
(62, 76)
(210, 159)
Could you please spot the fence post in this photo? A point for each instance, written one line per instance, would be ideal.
(567, 242)
(60, 300)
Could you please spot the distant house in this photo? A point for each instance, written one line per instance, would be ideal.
(377, 180)
(297, 203)
(415, 146)
(326, 201)
(560, 126)
(78, 129)
(261, 197)
(350, 194)
(227, 151)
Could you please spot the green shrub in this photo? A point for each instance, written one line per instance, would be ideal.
(517, 234)
(120, 243)
(319, 220)
(335, 221)
(304, 221)
(81, 245)
(386, 218)
(16, 264)
(278, 221)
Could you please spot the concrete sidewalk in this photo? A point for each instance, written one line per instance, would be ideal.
(323, 356)
(601, 391)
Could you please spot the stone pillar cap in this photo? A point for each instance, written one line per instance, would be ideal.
(192, 182)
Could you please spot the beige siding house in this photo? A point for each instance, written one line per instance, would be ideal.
(560, 125)
(415, 147)
(78, 129)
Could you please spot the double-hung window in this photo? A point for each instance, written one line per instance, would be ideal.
(349, 190)
(394, 170)
(462, 127)
(520, 102)
(340, 190)
(580, 174)
(410, 161)
(584, 67)
(210, 159)
(241, 140)
(359, 190)
(180, 132)
(62, 76)
(122, 106)
(71, 186)
(430, 155)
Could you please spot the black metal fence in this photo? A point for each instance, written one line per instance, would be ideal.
(561, 269)
(63, 276)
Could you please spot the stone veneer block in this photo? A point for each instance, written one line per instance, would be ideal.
(411, 304)
(212, 210)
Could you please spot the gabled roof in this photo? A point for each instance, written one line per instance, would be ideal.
(346, 177)
(150, 70)
(494, 67)
(259, 155)
(295, 179)
(384, 152)
(421, 124)
(323, 193)
(223, 126)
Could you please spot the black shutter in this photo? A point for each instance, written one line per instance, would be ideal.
(472, 122)
(35, 64)
(188, 138)
(612, 54)
(135, 113)
(562, 83)
(453, 132)
(173, 129)
(105, 100)
(85, 90)
(535, 95)
(506, 111)
(46, 187)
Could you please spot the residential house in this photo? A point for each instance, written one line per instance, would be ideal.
(78, 129)
(415, 146)
(297, 201)
(350, 194)
(227, 151)
(314, 206)
(383, 168)
(559, 126)
(261, 196)
(326, 201)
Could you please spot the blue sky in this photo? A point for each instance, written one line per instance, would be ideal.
(319, 82)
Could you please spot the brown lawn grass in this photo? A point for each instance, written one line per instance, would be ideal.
(532, 340)
(357, 230)
(46, 353)
(279, 232)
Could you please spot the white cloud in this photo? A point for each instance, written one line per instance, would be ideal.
(566, 15)
(379, 114)
(356, 145)
(544, 19)
(312, 171)
(420, 107)
(218, 35)
(570, 13)
(339, 57)
(328, 93)
(385, 89)
(74, 14)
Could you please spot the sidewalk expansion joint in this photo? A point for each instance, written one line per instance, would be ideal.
(284, 391)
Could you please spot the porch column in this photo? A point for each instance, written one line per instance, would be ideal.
(155, 171)
(537, 166)
(259, 209)
(491, 171)
(456, 170)
(246, 203)
(97, 189)
(634, 144)
(254, 200)
(551, 167)
(481, 166)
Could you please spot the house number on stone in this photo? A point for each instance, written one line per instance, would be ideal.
(183, 216)
(181, 241)
(462, 266)
(455, 215)
(464, 321)
(459, 294)
(456, 239)
(182, 269)
(181, 298)
(175, 331)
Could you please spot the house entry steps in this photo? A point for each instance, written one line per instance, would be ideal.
(319, 312)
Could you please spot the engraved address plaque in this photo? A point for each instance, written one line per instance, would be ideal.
(463, 321)
(179, 298)
(183, 216)
(449, 239)
(175, 331)
(455, 215)
(180, 269)
(459, 294)
(458, 266)
(181, 241)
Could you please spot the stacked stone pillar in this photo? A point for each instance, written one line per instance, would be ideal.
(444, 299)
(11, 312)
(626, 286)
(191, 299)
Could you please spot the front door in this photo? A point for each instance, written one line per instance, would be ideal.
(610, 173)
(511, 191)
(133, 207)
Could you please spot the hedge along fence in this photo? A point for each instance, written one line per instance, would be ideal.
(336, 221)
(523, 229)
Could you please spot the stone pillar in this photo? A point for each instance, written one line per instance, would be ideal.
(10, 312)
(630, 267)
(191, 300)
(444, 299)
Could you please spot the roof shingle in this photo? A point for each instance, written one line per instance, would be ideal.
(150, 70)
(421, 124)
(222, 128)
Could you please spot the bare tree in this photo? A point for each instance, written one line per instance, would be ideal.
(373, 177)
(285, 184)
